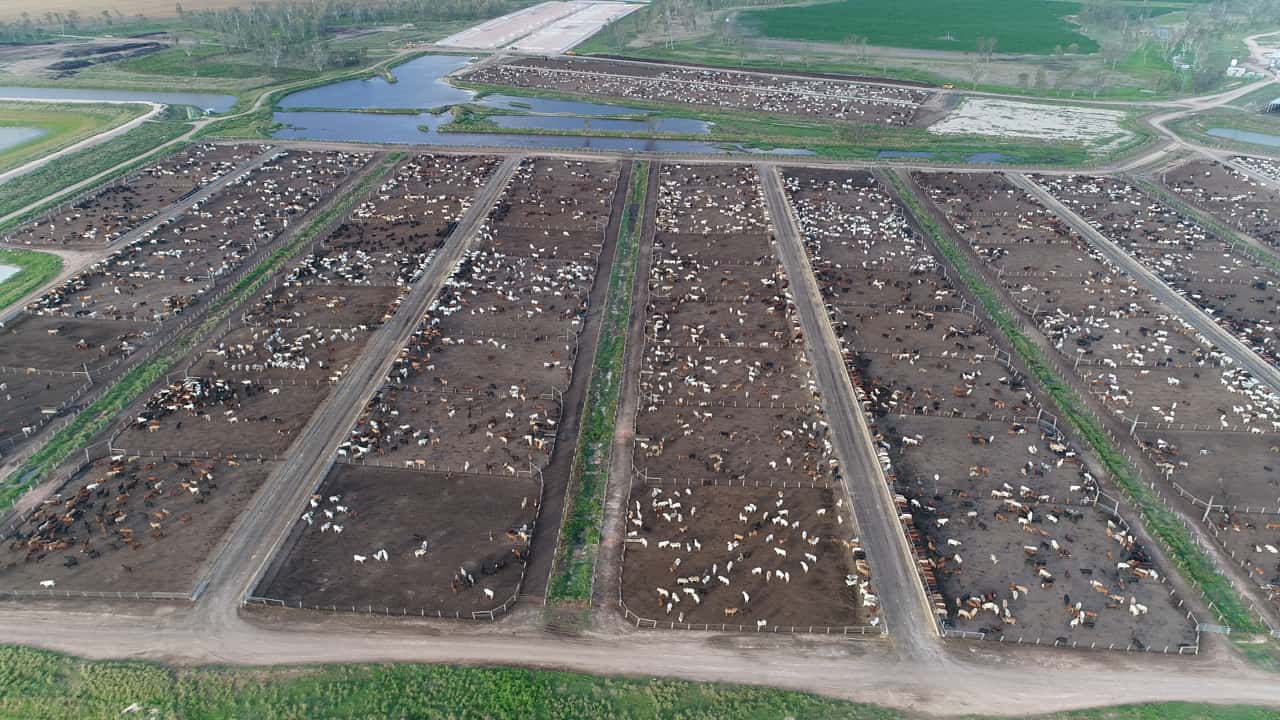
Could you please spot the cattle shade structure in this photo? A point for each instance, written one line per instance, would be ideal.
(1001, 502)
(1273, 106)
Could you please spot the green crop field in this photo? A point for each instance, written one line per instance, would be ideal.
(1019, 26)
(64, 125)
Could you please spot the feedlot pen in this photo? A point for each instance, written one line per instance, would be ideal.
(466, 421)
(1203, 427)
(736, 518)
(1000, 505)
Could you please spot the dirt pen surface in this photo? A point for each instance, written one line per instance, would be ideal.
(472, 407)
(252, 390)
(389, 238)
(105, 214)
(1230, 195)
(735, 499)
(129, 524)
(163, 273)
(999, 503)
(1232, 287)
(1189, 410)
(724, 89)
(743, 556)
(453, 543)
(88, 327)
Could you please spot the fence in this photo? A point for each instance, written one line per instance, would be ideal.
(489, 614)
(98, 595)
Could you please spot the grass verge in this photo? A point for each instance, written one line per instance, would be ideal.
(580, 536)
(63, 124)
(35, 270)
(84, 164)
(1196, 566)
(99, 414)
(40, 685)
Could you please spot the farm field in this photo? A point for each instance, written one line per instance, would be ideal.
(729, 424)
(1000, 503)
(1203, 427)
(1034, 26)
(60, 125)
(466, 420)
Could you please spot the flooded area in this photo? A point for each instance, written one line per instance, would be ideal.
(204, 101)
(1247, 136)
(11, 137)
(422, 84)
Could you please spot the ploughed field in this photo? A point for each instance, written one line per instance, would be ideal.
(465, 421)
(708, 87)
(998, 502)
(1237, 291)
(736, 516)
(105, 214)
(1191, 412)
(86, 329)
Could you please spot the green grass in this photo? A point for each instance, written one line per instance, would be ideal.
(37, 269)
(580, 537)
(210, 61)
(1196, 566)
(84, 164)
(39, 685)
(1019, 26)
(64, 125)
(99, 414)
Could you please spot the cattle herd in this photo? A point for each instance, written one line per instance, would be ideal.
(709, 87)
(440, 480)
(737, 513)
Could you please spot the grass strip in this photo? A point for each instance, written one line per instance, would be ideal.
(571, 578)
(1196, 566)
(35, 270)
(63, 124)
(79, 166)
(41, 685)
(99, 414)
